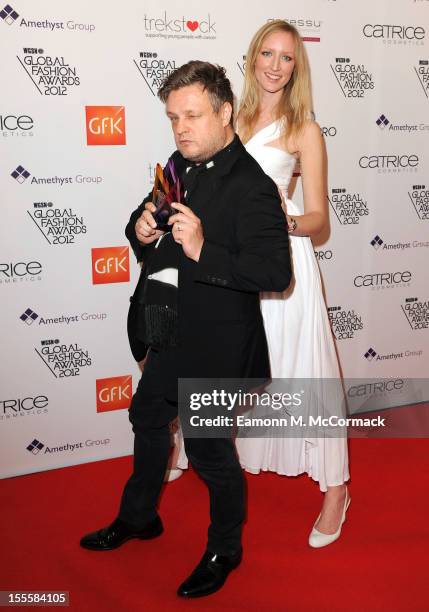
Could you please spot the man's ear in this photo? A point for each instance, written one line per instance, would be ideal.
(226, 112)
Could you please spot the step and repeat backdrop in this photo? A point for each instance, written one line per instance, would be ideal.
(81, 130)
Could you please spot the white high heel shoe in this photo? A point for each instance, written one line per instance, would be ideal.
(318, 539)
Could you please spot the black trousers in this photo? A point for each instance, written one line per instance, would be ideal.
(215, 460)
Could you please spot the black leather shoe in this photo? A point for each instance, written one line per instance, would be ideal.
(210, 574)
(119, 532)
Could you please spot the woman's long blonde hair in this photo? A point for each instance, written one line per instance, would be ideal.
(296, 104)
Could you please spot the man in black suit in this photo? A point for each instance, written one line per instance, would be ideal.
(201, 282)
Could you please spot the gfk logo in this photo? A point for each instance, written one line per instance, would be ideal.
(114, 393)
(110, 265)
(105, 125)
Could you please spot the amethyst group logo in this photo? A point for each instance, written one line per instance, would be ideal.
(383, 123)
(51, 74)
(165, 26)
(29, 316)
(395, 34)
(63, 360)
(419, 197)
(377, 242)
(370, 354)
(9, 15)
(20, 174)
(35, 447)
(354, 80)
(345, 323)
(59, 226)
(154, 69)
(349, 208)
(422, 72)
(416, 312)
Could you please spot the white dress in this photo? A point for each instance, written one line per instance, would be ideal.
(300, 341)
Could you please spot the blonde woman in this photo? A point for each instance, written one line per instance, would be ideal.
(275, 124)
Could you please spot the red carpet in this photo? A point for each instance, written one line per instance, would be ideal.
(379, 563)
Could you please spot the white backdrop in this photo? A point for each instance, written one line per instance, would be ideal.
(71, 175)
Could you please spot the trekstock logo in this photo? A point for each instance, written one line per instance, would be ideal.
(416, 313)
(18, 407)
(63, 360)
(179, 27)
(345, 323)
(154, 69)
(385, 125)
(10, 16)
(110, 265)
(371, 355)
(105, 125)
(422, 72)
(349, 208)
(29, 317)
(308, 28)
(354, 80)
(390, 163)
(50, 74)
(395, 34)
(59, 226)
(419, 197)
(114, 393)
(379, 244)
(20, 174)
(383, 280)
(36, 447)
(20, 271)
(15, 126)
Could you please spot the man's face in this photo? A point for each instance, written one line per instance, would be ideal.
(199, 132)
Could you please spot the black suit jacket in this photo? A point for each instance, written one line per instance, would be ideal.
(245, 251)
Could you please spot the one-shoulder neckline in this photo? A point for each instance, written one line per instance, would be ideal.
(263, 130)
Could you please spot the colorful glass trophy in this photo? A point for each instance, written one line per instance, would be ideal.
(167, 188)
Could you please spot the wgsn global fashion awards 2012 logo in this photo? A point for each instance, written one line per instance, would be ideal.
(58, 226)
(154, 68)
(416, 312)
(422, 73)
(349, 208)
(354, 80)
(345, 322)
(179, 27)
(52, 75)
(419, 196)
(63, 360)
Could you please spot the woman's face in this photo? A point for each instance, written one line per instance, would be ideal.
(275, 61)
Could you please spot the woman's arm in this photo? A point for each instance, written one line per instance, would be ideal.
(311, 150)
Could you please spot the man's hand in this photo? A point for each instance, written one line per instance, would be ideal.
(187, 231)
(145, 226)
